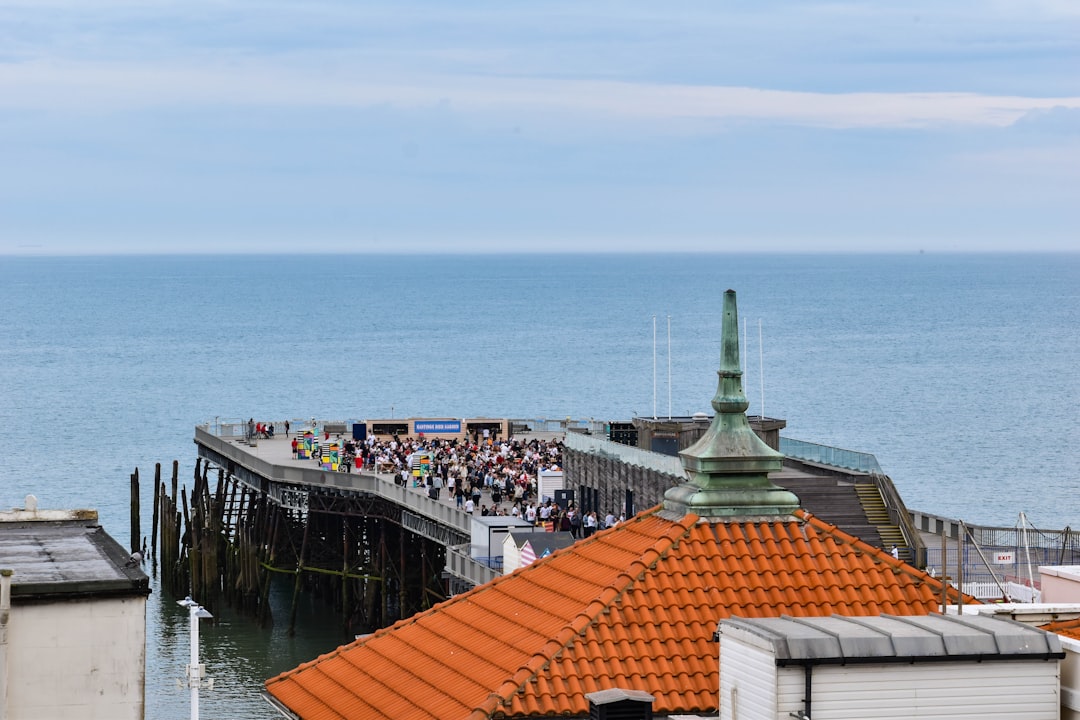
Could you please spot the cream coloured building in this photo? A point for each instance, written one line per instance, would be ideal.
(72, 619)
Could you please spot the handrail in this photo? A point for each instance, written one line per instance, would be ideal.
(828, 455)
(899, 514)
(461, 564)
(666, 464)
(373, 483)
(1066, 539)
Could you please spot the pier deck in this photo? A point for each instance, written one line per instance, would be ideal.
(272, 458)
(266, 465)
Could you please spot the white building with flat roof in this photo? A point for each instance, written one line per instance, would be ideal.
(72, 619)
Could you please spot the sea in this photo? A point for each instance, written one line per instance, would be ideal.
(959, 372)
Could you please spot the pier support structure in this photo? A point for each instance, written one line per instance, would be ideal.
(363, 555)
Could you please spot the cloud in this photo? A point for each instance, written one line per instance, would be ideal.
(112, 87)
(1058, 119)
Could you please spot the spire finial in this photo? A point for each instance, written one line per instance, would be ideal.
(729, 465)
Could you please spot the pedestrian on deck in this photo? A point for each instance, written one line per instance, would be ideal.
(286, 428)
(589, 523)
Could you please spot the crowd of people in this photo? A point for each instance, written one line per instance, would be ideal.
(489, 477)
(504, 469)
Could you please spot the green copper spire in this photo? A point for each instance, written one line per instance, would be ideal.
(729, 466)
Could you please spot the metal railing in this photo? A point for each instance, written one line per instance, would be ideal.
(828, 455)
(461, 564)
(657, 462)
(377, 484)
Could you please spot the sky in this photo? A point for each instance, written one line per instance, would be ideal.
(156, 126)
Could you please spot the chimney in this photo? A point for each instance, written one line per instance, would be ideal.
(620, 704)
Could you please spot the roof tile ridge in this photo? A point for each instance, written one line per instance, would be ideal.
(581, 621)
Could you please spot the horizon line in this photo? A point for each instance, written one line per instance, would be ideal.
(503, 252)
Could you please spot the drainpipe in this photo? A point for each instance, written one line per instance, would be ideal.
(809, 689)
(808, 680)
(5, 615)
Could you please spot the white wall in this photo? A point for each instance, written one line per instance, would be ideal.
(81, 659)
(747, 681)
(511, 555)
(493, 529)
(1070, 679)
(547, 482)
(1060, 584)
(964, 690)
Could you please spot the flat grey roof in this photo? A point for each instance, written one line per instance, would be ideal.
(842, 638)
(63, 559)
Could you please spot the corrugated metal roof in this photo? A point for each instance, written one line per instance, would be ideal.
(889, 637)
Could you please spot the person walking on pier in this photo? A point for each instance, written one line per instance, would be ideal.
(589, 523)
(286, 428)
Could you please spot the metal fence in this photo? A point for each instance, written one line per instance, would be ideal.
(999, 561)
(665, 464)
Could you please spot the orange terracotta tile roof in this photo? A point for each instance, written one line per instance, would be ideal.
(632, 607)
(1065, 628)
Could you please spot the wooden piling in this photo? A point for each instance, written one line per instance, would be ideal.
(154, 526)
(226, 543)
(299, 577)
(136, 533)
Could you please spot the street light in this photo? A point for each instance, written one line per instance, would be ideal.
(195, 673)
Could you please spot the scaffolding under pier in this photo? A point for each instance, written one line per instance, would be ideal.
(375, 550)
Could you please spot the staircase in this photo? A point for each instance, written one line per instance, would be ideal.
(835, 501)
(876, 512)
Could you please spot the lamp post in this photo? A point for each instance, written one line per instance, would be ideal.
(195, 671)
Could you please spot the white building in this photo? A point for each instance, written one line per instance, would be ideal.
(527, 545)
(72, 619)
(930, 666)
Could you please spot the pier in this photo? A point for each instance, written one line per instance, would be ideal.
(374, 549)
(378, 550)
(371, 546)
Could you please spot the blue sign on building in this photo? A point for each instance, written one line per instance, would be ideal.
(437, 426)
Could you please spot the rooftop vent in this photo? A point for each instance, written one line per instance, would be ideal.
(619, 704)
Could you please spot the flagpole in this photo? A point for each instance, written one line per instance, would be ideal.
(668, 367)
(743, 351)
(761, 370)
(654, 367)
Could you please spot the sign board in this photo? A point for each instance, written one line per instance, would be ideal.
(1004, 557)
(437, 426)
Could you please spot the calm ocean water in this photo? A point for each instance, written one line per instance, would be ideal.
(959, 372)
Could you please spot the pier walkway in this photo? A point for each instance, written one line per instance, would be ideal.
(267, 465)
